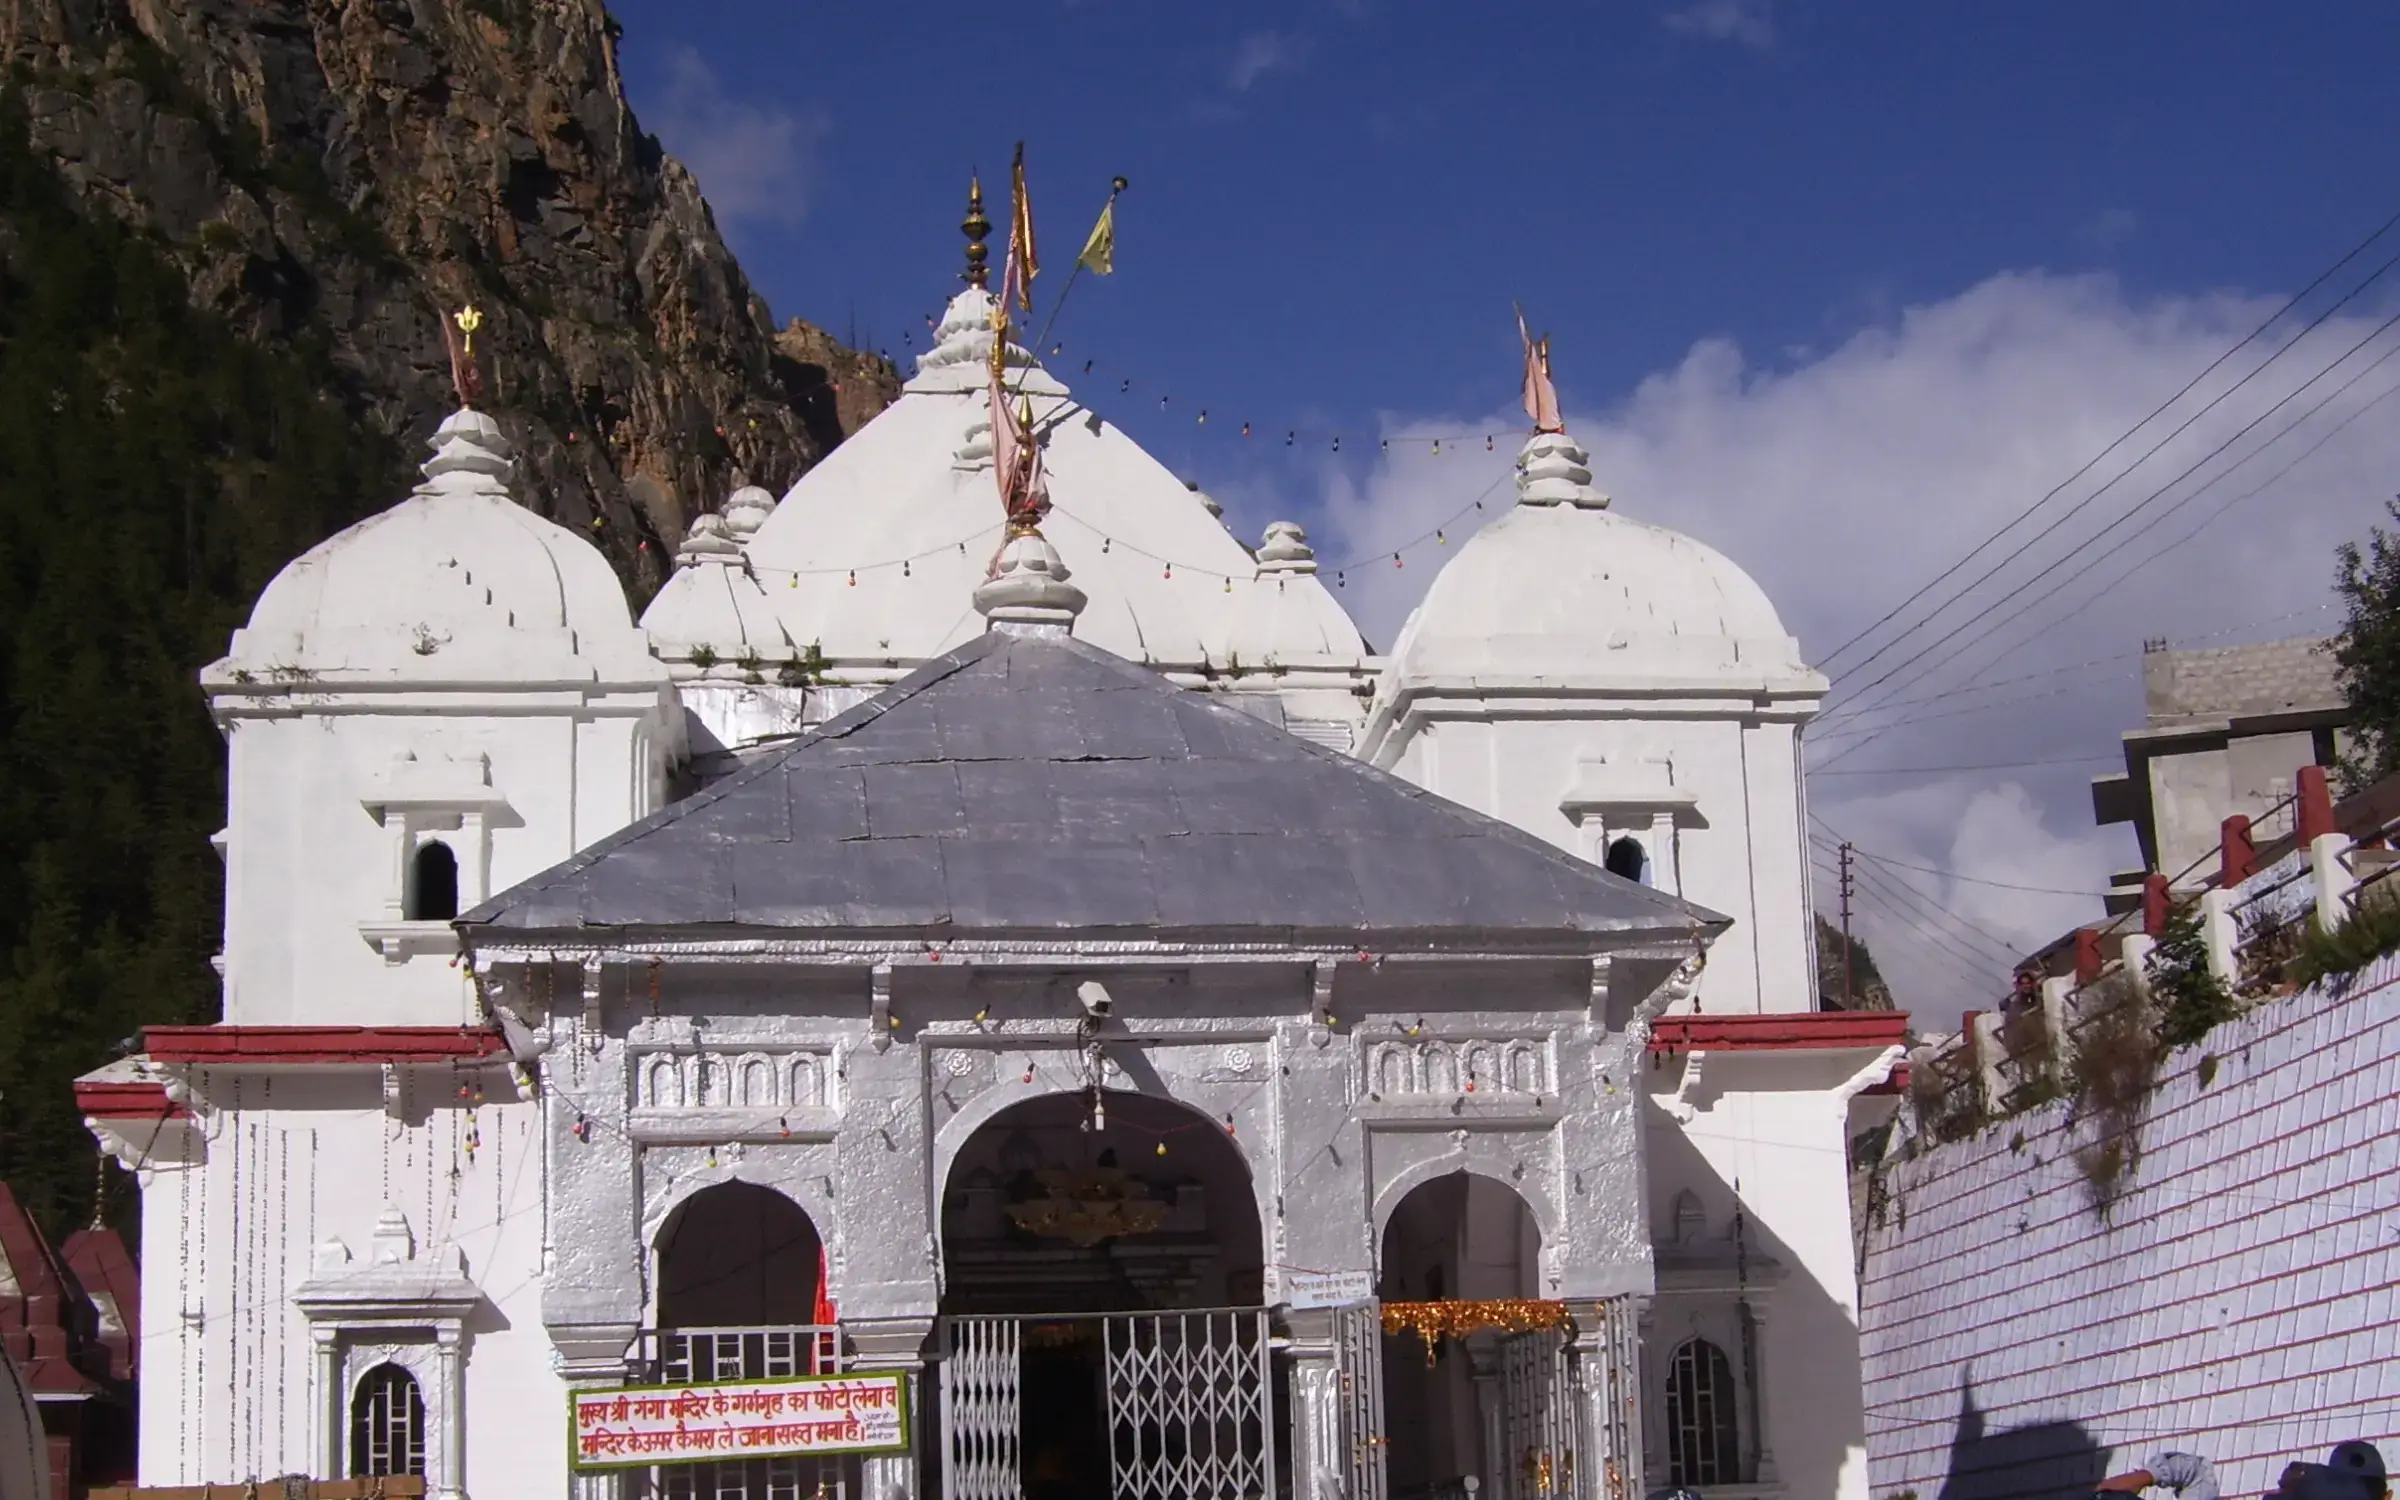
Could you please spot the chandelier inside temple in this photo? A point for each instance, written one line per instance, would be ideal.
(1086, 1207)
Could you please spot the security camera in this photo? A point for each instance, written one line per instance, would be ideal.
(1095, 998)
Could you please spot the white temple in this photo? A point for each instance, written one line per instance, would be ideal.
(1098, 1011)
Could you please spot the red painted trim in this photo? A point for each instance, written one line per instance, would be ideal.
(1800, 1031)
(1896, 1084)
(127, 1101)
(285, 1046)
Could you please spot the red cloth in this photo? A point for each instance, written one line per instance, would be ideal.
(824, 1312)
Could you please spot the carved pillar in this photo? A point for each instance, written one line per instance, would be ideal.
(452, 1379)
(1754, 1342)
(328, 1436)
(591, 1356)
(1320, 1458)
(893, 1344)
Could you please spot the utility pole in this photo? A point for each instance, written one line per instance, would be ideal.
(1849, 988)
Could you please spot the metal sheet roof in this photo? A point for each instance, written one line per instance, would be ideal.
(1041, 786)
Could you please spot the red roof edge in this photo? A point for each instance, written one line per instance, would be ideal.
(1799, 1031)
(287, 1046)
(102, 1264)
(127, 1101)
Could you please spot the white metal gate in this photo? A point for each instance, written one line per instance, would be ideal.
(981, 1445)
(1190, 1405)
(1358, 1371)
(702, 1356)
(1539, 1387)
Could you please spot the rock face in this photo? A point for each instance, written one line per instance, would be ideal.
(349, 171)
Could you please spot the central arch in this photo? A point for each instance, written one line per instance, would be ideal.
(1076, 1230)
(1460, 1236)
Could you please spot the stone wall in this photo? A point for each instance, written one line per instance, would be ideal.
(2237, 1300)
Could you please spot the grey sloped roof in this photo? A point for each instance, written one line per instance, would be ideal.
(1040, 785)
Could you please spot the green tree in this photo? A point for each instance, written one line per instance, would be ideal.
(1866, 981)
(155, 471)
(2366, 653)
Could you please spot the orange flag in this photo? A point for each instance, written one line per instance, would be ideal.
(1541, 397)
(824, 1313)
(1023, 264)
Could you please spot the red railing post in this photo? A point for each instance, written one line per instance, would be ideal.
(2237, 856)
(2087, 955)
(2316, 805)
(2155, 906)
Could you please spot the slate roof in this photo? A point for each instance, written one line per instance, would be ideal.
(1024, 785)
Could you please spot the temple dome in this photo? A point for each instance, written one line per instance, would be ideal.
(458, 582)
(1563, 588)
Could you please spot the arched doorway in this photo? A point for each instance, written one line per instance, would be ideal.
(1459, 1238)
(739, 1279)
(1102, 1275)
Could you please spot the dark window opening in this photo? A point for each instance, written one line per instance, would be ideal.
(1704, 1443)
(387, 1424)
(432, 883)
(1628, 858)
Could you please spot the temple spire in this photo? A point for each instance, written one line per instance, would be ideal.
(977, 229)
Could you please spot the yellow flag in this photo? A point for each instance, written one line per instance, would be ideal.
(1100, 251)
(1022, 261)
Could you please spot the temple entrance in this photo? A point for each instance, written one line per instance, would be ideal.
(1482, 1406)
(1102, 1278)
(740, 1297)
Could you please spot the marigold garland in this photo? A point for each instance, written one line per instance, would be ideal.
(1433, 1322)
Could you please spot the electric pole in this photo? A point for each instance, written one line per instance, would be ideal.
(1849, 989)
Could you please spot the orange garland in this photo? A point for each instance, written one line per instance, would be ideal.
(1434, 1321)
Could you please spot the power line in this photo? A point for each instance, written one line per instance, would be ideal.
(1960, 628)
(2096, 458)
(1985, 946)
(2003, 885)
(1928, 942)
(1989, 765)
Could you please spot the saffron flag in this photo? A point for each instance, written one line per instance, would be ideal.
(1541, 397)
(1100, 251)
(823, 1315)
(1023, 264)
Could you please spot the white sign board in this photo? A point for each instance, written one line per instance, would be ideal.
(1306, 1289)
(745, 1419)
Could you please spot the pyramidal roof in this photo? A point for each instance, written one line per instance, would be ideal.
(1033, 785)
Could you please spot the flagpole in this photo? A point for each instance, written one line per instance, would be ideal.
(1034, 352)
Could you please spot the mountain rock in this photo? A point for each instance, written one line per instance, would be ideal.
(345, 173)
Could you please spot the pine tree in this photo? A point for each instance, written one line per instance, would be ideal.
(2366, 653)
(155, 472)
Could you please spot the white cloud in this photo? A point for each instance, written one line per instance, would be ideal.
(753, 163)
(1262, 53)
(1845, 481)
(1751, 23)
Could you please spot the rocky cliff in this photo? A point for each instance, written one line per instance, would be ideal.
(341, 173)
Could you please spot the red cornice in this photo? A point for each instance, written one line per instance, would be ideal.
(127, 1101)
(294, 1046)
(1802, 1031)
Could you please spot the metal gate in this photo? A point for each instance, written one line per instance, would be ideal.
(1358, 1372)
(702, 1356)
(1190, 1405)
(1539, 1390)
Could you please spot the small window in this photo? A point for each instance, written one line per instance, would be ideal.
(1628, 858)
(1703, 1441)
(433, 883)
(387, 1424)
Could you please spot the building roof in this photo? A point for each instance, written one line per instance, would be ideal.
(1565, 591)
(1022, 785)
(457, 583)
(872, 554)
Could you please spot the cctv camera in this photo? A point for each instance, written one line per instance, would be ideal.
(1095, 998)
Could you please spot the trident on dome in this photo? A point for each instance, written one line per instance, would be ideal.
(1016, 450)
(458, 332)
(1541, 397)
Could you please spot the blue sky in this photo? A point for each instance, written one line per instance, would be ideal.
(1836, 288)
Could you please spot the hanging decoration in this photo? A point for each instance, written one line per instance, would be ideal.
(1085, 1207)
(1433, 1322)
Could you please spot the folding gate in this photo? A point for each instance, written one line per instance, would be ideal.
(1539, 1384)
(1190, 1405)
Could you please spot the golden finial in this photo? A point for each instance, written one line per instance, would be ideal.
(976, 228)
(465, 377)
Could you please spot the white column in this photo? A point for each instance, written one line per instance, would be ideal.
(451, 1483)
(1666, 863)
(327, 1444)
(1320, 1467)
(893, 1344)
(2333, 878)
(2217, 926)
(1761, 1419)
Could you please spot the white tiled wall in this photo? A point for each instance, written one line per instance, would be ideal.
(2238, 1300)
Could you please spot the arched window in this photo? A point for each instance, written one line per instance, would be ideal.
(1628, 858)
(1704, 1443)
(433, 883)
(387, 1424)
